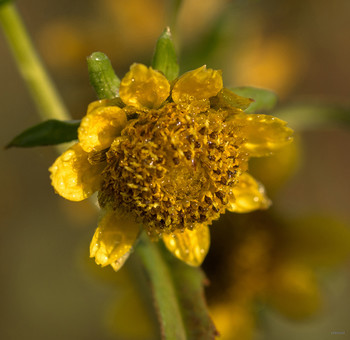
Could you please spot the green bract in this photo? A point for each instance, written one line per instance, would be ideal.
(164, 58)
(102, 76)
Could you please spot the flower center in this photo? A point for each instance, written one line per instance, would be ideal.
(173, 167)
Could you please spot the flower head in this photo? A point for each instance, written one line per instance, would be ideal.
(171, 156)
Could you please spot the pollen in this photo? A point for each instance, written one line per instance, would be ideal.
(174, 167)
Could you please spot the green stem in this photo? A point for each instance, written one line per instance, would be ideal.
(189, 284)
(43, 91)
(164, 293)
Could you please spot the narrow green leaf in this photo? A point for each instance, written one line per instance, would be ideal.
(314, 116)
(264, 100)
(189, 284)
(164, 58)
(50, 132)
(102, 76)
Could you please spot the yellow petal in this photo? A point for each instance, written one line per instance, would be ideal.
(144, 87)
(113, 239)
(248, 195)
(190, 246)
(201, 83)
(102, 124)
(116, 265)
(73, 177)
(263, 134)
(294, 291)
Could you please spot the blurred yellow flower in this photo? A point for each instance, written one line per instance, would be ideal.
(276, 63)
(275, 263)
(171, 156)
(66, 40)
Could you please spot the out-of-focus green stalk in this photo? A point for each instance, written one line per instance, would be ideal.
(173, 9)
(43, 91)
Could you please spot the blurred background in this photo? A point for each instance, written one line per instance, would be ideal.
(281, 274)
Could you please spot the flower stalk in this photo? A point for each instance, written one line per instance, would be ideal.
(189, 283)
(164, 293)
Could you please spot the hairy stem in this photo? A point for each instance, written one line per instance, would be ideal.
(164, 293)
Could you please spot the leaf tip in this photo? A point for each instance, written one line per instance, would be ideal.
(167, 30)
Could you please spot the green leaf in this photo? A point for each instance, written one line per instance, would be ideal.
(314, 116)
(50, 132)
(102, 76)
(164, 58)
(264, 100)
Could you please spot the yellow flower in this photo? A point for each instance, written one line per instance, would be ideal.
(169, 156)
(273, 262)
